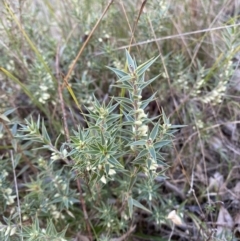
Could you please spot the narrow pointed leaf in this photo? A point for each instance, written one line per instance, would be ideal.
(154, 131)
(107, 168)
(137, 143)
(165, 119)
(125, 78)
(38, 121)
(152, 152)
(123, 86)
(123, 99)
(146, 102)
(130, 206)
(139, 205)
(8, 112)
(45, 133)
(113, 107)
(102, 139)
(3, 117)
(112, 160)
(177, 126)
(118, 72)
(143, 67)
(160, 144)
(131, 62)
(149, 82)
(141, 154)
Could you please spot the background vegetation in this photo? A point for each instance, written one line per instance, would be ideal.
(75, 158)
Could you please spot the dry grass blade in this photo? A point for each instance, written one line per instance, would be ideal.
(170, 37)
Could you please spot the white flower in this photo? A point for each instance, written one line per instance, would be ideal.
(143, 130)
(138, 123)
(142, 115)
(43, 87)
(8, 191)
(4, 173)
(153, 166)
(112, 172)
(55, 156)
(7, 230)
(45, 96)
(56, 214)
(150, 197)
(10, 200)
(13, 231)
(103, 179)
(64, 152)
(173, 216)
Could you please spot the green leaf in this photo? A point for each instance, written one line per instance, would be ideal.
(112, 118)
(107, 168)
(142, 86)
(154, 131)
(146, 102)
(102, 139)
(125, 79)
(8, 112)
(141, 154)
(57, 139)
(137, 143)
(38, 121)
(143, 67)
(92, 152)
(130, 206)
(177, 126)
(123, 86)
(45, 133)
(112, 160)
(152, 152)
(112, 108)
(3, 117)
(130, 62)
(139, 205)
(14, 128)
(141, 79)
(123, 99)
(160, 144)
(118, 72)
(132, 181)
(126, 107)
(165, 119)
(96, 102)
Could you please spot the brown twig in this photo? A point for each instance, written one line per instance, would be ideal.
(84, 209)
(64, 115)
(135, 24)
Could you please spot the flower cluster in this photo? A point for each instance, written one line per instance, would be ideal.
(43, 91)
(216, 95)
(140, 129)
(5, 191)
(199, 124)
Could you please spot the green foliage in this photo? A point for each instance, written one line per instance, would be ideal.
(107, 153)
